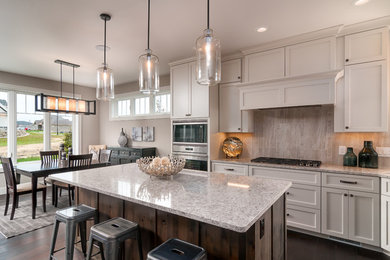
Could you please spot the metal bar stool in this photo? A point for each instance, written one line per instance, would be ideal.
(176, 249)
(72, 216)
(111, 234)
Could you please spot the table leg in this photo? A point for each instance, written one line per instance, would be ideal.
(34, 182)
(18, 178)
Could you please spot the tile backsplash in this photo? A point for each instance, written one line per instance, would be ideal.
(303, 133)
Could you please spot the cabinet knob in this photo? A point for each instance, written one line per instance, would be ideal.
(188, 114)
(351, 195)
(239, 128)
(287, 214)
(288, 193)
(347, 127)
(346, 60)
(345, 194)
(239, 77)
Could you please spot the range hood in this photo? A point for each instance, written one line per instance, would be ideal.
(307, 90)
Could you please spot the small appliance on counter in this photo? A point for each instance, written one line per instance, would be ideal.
(368, 157)
(292, 162)
(350, 158)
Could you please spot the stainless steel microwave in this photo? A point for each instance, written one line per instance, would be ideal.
(187, 132)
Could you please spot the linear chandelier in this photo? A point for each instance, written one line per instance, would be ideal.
(60, 104)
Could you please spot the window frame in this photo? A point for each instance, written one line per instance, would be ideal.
(132, 96)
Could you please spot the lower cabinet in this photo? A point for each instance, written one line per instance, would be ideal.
(228, 168)
(304, 218)
(351, 215)
(385, 222)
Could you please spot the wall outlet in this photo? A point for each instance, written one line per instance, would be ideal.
(383, 151)
(342, 150)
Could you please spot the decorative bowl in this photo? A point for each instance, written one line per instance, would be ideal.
(232, 147)
(161, 167)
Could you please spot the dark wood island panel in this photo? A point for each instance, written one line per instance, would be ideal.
(265, 240)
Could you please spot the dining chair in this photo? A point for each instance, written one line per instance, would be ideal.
(104, 156)
(49, 157)
(15, 189)
(74, 161)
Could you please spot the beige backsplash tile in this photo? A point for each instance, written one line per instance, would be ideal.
(303, 133)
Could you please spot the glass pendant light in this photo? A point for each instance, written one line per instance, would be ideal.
(149, 79)
(208, 55)
(105, 76)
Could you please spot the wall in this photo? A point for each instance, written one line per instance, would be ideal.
(109, 130)
(304, 133)
(88, 122)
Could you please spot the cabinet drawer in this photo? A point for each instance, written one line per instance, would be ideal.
(304, 218)
(304, 195)
(351, 182)
(295, 176)
(230, 168)
(385, 188)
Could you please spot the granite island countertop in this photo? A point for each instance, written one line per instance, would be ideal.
(331, 168)
(227, 201)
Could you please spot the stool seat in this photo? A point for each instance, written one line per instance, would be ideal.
(114, 229)
(78, 213)
(176, 249)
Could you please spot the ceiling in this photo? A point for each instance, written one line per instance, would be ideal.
(34, 33)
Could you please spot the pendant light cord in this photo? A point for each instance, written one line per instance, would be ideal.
(105, 31)
(61, 78)
(73, 81)
(208, 14)
(148, 22)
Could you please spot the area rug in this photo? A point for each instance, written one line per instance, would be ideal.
(22, 222)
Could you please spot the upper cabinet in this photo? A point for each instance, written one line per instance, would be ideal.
(366, 46)
(189, 99)
(311, 57)
(231, 71)
(264, 65)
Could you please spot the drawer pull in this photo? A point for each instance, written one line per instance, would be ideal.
(189, 149)
(229, 169)
(348, 182)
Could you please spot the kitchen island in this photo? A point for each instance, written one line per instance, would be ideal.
(232, 217)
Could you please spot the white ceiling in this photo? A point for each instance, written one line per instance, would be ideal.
(34, 33)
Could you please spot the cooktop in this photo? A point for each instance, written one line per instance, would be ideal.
(293, 162)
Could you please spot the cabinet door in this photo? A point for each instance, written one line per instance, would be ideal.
(385, 222)
(229, 109)
(364, 217)
(334, 212)
(264, 65)
(366, 97)
(199, 96)
(231, 71)
(304, 218)
(311, 57)
(180, 90)
(366, 46)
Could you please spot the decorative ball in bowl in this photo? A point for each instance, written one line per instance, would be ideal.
(161, 167)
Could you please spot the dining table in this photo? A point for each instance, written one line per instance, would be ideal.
(36, 170)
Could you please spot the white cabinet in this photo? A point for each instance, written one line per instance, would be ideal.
(231, 71)
(366, 46)
(229, 168)
(264, 65)
(189, 99)
(231, 118)
(304, 195)
(311, 57)
(366, 97)
(304, 218)
(334, 212)
(385, 222)
(351, 215)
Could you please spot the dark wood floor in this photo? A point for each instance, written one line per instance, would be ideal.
(35, 246)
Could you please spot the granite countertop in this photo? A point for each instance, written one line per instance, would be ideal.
(227, 201)
(382, 172)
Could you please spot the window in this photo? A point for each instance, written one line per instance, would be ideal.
(162, 103)
(29, 129)
(61, 130)
(124, 107)
(3, 123)
(142, 106)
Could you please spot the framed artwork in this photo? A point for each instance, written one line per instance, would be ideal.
(148, 134)
(136, 134)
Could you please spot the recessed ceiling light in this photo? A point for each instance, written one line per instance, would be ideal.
(262, 29)
(361, 2)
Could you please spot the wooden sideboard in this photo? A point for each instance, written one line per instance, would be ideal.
(121, 155)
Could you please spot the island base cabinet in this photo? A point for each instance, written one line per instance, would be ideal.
(265, 239)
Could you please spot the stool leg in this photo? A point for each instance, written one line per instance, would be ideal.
(101, 251)
(54, 238)
(111, 251)
(139, 244)
(90, 246)
(83, 234)
(70, 237)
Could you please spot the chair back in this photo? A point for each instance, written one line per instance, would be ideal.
(81, 160)
(49, 157)
(104, 156)
(9, 174)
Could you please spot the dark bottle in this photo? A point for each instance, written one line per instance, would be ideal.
(368, 158)
(350, 159)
